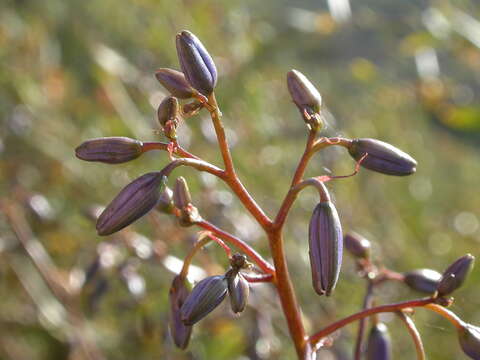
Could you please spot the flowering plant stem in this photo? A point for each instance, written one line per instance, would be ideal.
(278, 273)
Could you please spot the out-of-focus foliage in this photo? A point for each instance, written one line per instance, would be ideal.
(405, 72)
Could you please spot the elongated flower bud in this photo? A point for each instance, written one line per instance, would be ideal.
(135, 200)
(238, 291)
(178, 293)
(181, 194)
(469, 338)
(455, 275)
(305, 96)
(196, 63)
(205, 297)
(167, 114)
(379, 343)
(382, 157)
(174, 81)
(326, 247)
(357, 245)
(110, 150)
(422, 280)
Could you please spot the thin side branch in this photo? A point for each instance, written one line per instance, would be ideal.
(412, 330)
(315, 338)
(247, 249)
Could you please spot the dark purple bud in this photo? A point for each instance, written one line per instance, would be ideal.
(135, 200)
(174, 81)
(302, 91)
(110, 150)
(196, 63)
(382, 157)
(305, 96)
(203, 299)
(422, 280)
(469, 337)
(379, 344)
(180, 332)
(167, 114)
(238, 291)
(326, 247)
(455, 275)
(357, 245)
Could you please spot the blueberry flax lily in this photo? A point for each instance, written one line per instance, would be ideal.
(193, 90)
(110, 150)
(134, 201)
(325, 242)
(382, 157)
(196, 63)
(176, 84)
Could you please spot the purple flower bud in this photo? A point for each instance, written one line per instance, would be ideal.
(238, 290)
(302, 91)
(326, 247)
(203, 299)
(174, 81)
(379, 344)
(305, 96)
(196, 63)
(180, 332)
(382, 157)
(422, 280)
(455, 275)
(357, 245)
(135, 200)
(469, 337)
(110, 150)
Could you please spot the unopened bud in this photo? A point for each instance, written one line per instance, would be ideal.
(135, 200)
(110, 150)
(326, 247)
(238, 291)
(203, 299)
(455, 275)
(196, 63)
(469, 338)
(382, 157)
(165, 202)
(422, 280)
(178, 293)
(357, 245)
(379, 343)
(181, 194)
(305, 96)
(174, 81)
(167, 114)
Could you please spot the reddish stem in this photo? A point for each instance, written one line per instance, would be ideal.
(247, 249)
(256, 278)
(286, 294)
(231, 178)
(148, 146)
(368, 312)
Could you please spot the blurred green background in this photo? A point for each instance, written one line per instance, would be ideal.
(406, 72)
